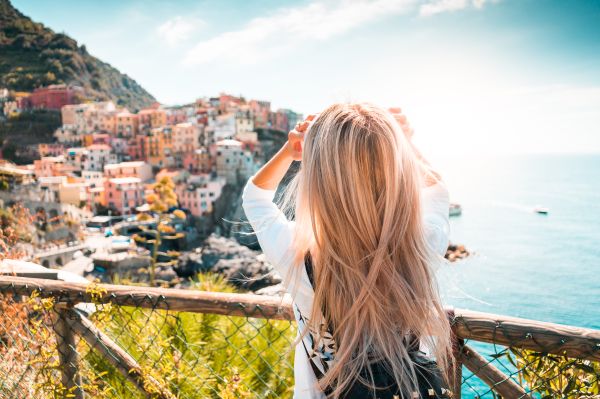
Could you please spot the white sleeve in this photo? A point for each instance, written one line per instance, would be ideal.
(274, 232)
(435, 206)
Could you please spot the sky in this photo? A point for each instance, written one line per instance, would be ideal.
(473, 76)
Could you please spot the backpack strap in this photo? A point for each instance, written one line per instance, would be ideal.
(412, 342)
(308, 266)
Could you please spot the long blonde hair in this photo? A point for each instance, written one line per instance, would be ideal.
(356, 202)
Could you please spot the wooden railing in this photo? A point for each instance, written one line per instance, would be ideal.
(575, 342)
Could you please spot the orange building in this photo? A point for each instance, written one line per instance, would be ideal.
(127, 124)
(152, 118)
(186, 138)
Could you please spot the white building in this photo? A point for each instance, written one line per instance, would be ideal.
(244, 121)
(139, 169)
(98, 156)
(223, 126)
(93, 178)
(76, 157)
(233, 162)
(199, 194)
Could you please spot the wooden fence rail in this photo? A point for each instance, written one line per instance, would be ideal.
(575, 342)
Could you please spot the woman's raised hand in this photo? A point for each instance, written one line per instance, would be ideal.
(296, 138)
(402, 121)
(430, 176)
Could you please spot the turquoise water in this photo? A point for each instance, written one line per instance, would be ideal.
(525, 264)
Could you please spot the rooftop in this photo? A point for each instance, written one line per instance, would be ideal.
(125, 180)
(99, 147)
(129, 164)
(229, 142)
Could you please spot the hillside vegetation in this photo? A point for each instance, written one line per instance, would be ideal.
(32, 55)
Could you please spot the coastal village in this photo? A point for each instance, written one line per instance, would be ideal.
(151, 196)
(93, 192)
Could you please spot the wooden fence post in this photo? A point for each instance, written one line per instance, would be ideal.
(456, 372)
(68, 355)
(494, 378)
(118, 357)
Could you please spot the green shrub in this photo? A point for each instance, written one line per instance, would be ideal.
(196, 355)
(553, 376)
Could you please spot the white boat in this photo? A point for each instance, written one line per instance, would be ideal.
(541, 210)
(455, 210)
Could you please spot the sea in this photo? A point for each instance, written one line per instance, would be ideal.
(525, 264)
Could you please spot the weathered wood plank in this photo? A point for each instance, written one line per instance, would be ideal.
(68, 356)
(455, 373)
(490, 374)
(582, 343)
(118, 357)
(250, 305)
(539, 336)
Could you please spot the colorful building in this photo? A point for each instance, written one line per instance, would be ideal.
(199, 161)
(51, 166)
(244, 121)
(54, 97)
(152, 118)
(51, 149)
(98, 156)
(284, 119)
(14, 175)
(234, 163)
(139, 169)
(261, 111)
(127, 124)
(185, 138)
(124, 194)
(199, 194)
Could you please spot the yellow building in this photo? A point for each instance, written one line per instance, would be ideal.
(154, 150)
(152, 118)
(127, 124)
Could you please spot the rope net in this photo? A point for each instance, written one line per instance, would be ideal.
(53, 346)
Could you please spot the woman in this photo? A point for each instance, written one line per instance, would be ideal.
(370, 220)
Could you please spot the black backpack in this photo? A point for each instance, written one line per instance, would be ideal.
(429, 380)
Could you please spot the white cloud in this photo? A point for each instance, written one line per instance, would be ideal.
(319, 20)
(440, 6)
(178, 29)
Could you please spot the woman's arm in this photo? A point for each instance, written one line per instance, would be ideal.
(270, 175)
(275, 233)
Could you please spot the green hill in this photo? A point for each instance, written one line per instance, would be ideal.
(32, 55)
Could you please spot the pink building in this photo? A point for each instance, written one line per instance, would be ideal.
(51, 166)
(100, 138)
(229, 103)
(175, 116)
(139, 169)
(53, 97)
(185, 137)
(199, 194)
(199, 161)
(51, 149)
(124, 194)
(261, 110)
(284, 119)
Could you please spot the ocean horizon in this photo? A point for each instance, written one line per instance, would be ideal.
(524, 264)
